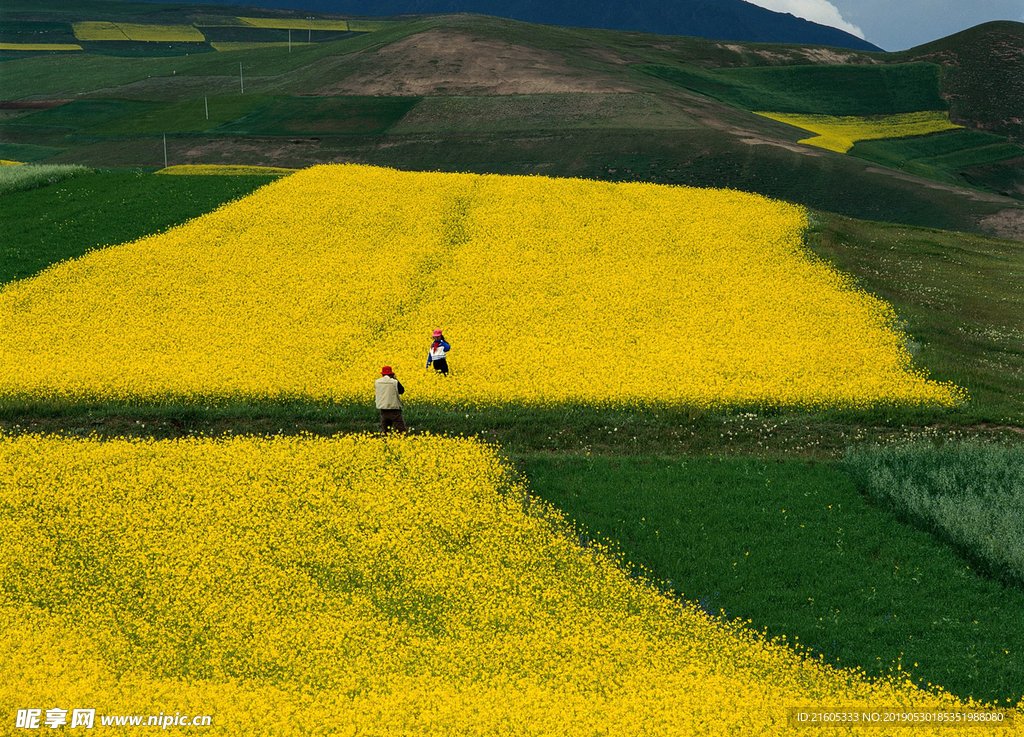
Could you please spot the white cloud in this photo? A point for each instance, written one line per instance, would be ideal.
(819, 11)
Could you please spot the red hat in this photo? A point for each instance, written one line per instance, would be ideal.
(437, 333)
(386, 371)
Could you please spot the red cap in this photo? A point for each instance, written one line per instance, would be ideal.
(386, 371)
(437, 333)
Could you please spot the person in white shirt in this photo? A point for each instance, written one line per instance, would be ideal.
(437, 356)
(388, 390)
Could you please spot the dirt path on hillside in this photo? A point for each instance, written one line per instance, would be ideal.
(450, 62)
(1007, 223)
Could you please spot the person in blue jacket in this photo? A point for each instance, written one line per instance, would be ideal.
(438, 354)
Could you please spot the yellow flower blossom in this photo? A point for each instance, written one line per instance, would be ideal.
(550, 291)
(352, 585)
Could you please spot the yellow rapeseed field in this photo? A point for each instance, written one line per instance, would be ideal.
(354, 585)
(98, 31)
(550, 291)
(105, 31)
(296, 24)
(39, 47)
(839, 133)
(222, 170)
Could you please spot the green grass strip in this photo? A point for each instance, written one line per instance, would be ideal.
(793, 547)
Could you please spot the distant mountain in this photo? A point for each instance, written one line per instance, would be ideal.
(724, 20)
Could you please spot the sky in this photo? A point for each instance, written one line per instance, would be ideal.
(899, 24)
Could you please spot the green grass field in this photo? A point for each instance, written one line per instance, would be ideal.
(1006, 177)
(950, 156)
(793, 547)
(27, 152)
(323, 115)
(84, 114)
(184, 116)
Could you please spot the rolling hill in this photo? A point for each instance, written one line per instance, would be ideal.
(483, 94)
(727, 20)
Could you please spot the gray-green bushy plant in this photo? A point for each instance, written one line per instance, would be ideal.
(29, 176)
(971, 494)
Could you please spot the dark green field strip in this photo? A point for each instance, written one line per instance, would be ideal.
(323, 115)
(146, 49)
(84, 114)
(793, 547)
(28, 32)
(248, 114)
(65, 220)
(519, 430)
(820, 90)
(133, 117)
(184, 116)
(33, 26)
(248, 34)
(974, 157)
(896, 152)
(52, 76)
(26, 152)
(42, 137)
(125, 12)
(949, 156)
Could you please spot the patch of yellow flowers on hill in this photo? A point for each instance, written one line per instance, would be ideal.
(839, 132)
(549, 291)
(222, 170)
(107, 31)
(39, 47)
(353, 585)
